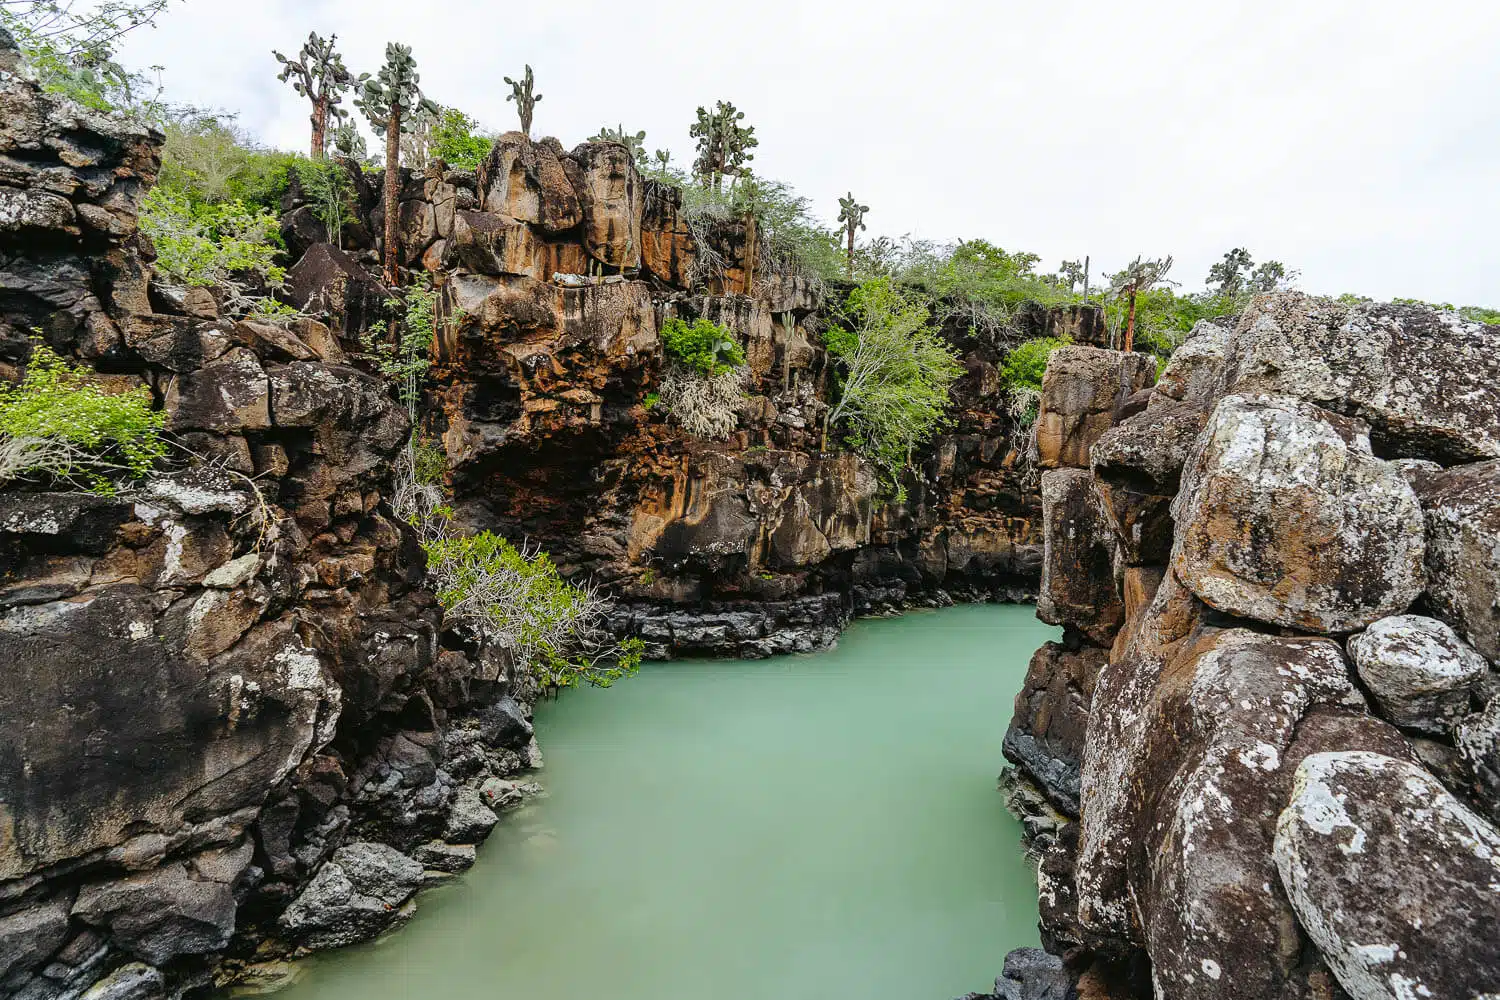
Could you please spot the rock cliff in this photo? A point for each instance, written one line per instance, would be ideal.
(1269, 728)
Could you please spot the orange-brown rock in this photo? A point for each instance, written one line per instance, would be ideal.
(1084, 394)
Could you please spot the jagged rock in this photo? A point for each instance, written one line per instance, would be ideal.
(1137, 468)
(355, 896)
(30, 936)
(329, 282)
(135, 981)
(1424, 379)
(1083, 393)
(667, 246)
(439, 856)
(228, 395)
(487, 243)
(1478, 739)
(469, 819)
(1285, 516)
(1047, 733)
(187, 908)
(1195, 372)
(526, 181)
(1462, 510)
(1418, 671)
(1078, 579)
(609, 192)
(1392, 877)
(504, 723)
(89, 523)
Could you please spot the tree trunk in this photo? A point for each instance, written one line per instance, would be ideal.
(320, 128)
(392, 196)
(849, 261)
(1130, 324)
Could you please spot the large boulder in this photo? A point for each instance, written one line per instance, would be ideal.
(1478, 739)
(486, 243)
(1423, 379)
(1078, 578)
(525, 180)
(1419, 672)
(361, 891)
(1394, 879)
(1083, 394)
(328, 282)
(1137, 467)
(610, 191)
(1195, 371)
(1462, 510)
(1285, 516)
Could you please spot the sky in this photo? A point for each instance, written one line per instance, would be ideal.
(1357, 141)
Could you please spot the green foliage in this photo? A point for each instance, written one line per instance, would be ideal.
(208, 245)
(329, 193)
(723, 144)
(429, 463)
(208, 157)
(319, 74)
(59, 421)
(72, 50)
(652, 398)
(455, 141)
(402, 346)
(523, 600)
(896, 375)
(1474, 314)
(702, 346)
(522, 91)
(1024, 366)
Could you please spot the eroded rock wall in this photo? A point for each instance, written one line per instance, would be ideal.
(1271, 720)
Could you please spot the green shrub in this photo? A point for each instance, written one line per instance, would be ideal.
(405, 356)
(58, 421)
(455, 142)
(1024, 366)
(329, 192)
(702, 346)
(519, 600)
(208, 245)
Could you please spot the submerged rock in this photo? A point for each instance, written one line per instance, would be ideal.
(1394, 879)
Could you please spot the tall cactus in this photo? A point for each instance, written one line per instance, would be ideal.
(318, 74)
(852, 215)
(526, 101)
(389, 100)
(723, 145)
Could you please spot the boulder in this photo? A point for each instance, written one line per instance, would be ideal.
(609, 191)
(469, 819)
(28, 937)
(360, 892)
(1422, 378)
(667, 247)
(1478, 740)
(1462, 511)
(1137, 468)
(1083, 392)
(1418, 671)
(1195, 372)
(1394, 879)
(1078, 578)
(227, 396)
(329, 282)
(526, 181)
(133, 981)
(1285, 516)
(486, 243)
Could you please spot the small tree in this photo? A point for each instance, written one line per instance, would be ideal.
(1139, 277)
(318, 74)
(852, 215)
(897, 372)
(389, 99)
(456, 142)
(1226, 279)
(1071, 274)
(1270, 277)
(521, 91)
(723, 145)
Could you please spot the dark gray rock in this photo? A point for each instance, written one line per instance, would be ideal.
(469, 819)
(28, 937)
(129, 982)
(355, 896)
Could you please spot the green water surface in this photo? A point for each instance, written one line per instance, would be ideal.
(822, 826)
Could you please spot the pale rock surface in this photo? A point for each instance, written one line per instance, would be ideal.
(1419, 672)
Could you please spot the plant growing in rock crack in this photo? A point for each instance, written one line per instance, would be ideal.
(329, 192)
(1021, 376)
(516, 598)
(893, 391)
(705, 377)
(402, 345)
(852, 215)
(389, 100)
(522, 92)
(59, 422)
(319, 74)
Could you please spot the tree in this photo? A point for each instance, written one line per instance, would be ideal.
(723, 145)
(389, 98)
(1226, 279)
(852, 215)
(1139, 277)
(897, 373)
(526, 101)
(1071, 274)
(1271, 276)
(72, 51)
(455, 140)
(319, 74)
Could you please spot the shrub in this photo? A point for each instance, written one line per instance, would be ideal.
(897, 372)
(702, 346)
(1025, 365)
(58, 421)
(405, 355)
(703, 405)
(455, 142)
(329, 191)
(517, 598)
(212, 245)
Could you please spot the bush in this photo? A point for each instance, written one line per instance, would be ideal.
(58, 421)
(405, 356)
(209, 245)
(702, 346)
(703, 405)
(454, 140)
(329, 192)
(518, 599)
(208, 157)
(1025, 365)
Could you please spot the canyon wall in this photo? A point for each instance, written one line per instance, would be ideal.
(1267, 740)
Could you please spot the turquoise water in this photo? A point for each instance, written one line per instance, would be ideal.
(821, 826)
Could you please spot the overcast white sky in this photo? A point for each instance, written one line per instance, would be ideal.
(1356, 140)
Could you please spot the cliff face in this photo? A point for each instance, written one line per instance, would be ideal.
(221, 677)
(1272, 716)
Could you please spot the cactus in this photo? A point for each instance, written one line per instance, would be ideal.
(389, 100)
(526, 101)
(318, 74)
(723, 146)
(852, 215)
